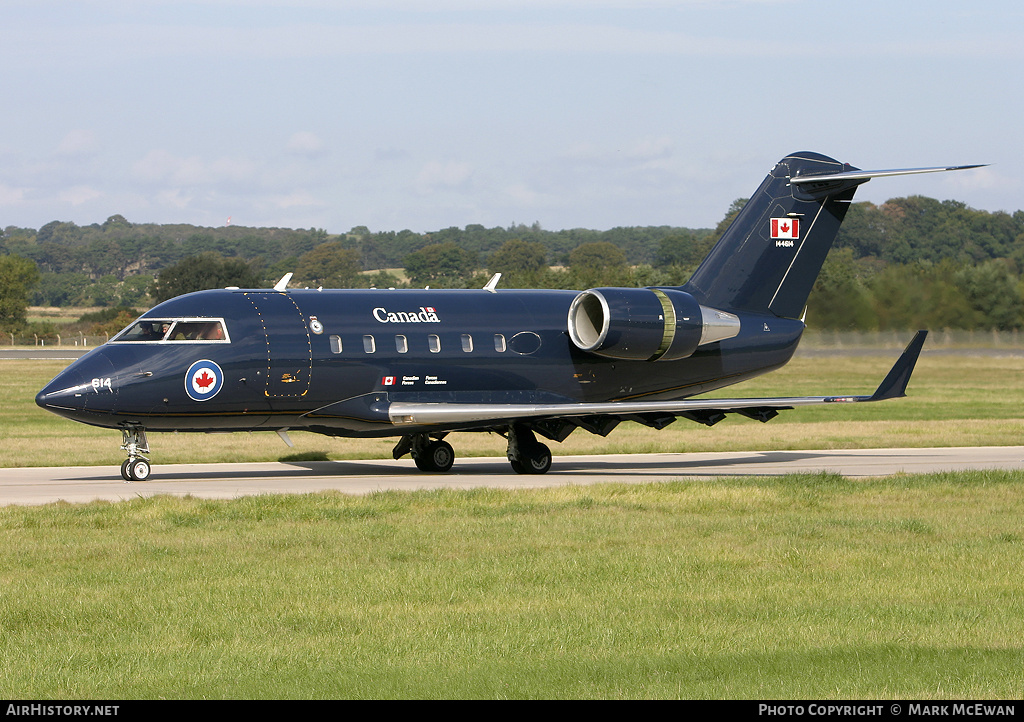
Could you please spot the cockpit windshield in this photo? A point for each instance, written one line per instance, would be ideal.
(175, 330)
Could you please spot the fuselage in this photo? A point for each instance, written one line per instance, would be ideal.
(327, 360)
(420, 363)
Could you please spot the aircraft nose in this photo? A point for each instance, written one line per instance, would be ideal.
(58, 395)
(63, 392)
(85, 384)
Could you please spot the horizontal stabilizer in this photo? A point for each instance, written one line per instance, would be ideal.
(869, 174)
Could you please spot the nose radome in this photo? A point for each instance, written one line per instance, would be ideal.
(86, 384)
(57, 394)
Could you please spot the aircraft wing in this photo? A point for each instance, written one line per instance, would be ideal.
(704, 410)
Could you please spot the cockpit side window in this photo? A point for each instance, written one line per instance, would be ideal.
(150, 329)
(197, 331)
(175, 330)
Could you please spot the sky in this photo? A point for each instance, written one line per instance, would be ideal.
(422, 115)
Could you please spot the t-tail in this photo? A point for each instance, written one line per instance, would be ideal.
(770, 256)
(765, 263)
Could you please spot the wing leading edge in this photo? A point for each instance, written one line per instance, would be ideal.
(893, 386)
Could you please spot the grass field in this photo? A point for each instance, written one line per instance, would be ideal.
(952, 401)
(802, 587)
(799, 587)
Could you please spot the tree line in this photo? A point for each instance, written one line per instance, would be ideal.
(909, 262)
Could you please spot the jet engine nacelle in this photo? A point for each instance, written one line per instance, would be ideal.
(645, 324)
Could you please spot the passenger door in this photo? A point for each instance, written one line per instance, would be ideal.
(289, 349)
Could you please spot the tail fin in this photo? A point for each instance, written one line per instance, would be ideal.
(769, 257)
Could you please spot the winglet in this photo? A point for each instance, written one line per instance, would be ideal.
(894, 385)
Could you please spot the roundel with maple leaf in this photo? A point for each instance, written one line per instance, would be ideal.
(203, 380)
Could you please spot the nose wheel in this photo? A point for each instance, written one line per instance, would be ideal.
(136, 467)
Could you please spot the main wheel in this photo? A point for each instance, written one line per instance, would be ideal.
(125, 473)
(533, 459)
(138, 469)
(438, 456)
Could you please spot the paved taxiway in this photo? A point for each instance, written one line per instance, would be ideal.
(227, 481)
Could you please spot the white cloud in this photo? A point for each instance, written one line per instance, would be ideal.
(986, 178)
(438, 175)
(390, 154)
(306, 144)
(523, 196)
(156, 166)
(10, 196)
(160, 166)
(645, 151)
(111, 43)
(650, 149)
(78, 144)
(175, 198)
(297, 199)
(78, 195)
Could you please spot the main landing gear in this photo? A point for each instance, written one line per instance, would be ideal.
(525, 453)
(429, 454)
(136, 467)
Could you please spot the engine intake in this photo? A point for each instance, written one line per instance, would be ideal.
(645, 324)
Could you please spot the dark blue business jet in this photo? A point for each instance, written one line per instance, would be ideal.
(419, 364)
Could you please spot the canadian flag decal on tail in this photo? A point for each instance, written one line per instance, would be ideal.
(786, 228)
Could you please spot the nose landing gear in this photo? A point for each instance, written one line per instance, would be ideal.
(136, 467)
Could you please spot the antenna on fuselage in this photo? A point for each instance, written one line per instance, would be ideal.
(282, 285)
(492, 285)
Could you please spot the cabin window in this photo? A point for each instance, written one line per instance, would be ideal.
(499, 343)
(369, 345)
(467, 343)
(335, 344)
(434, 343)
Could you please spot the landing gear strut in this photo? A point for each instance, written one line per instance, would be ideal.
(525, 453)
(429, 454)
(136, 467)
